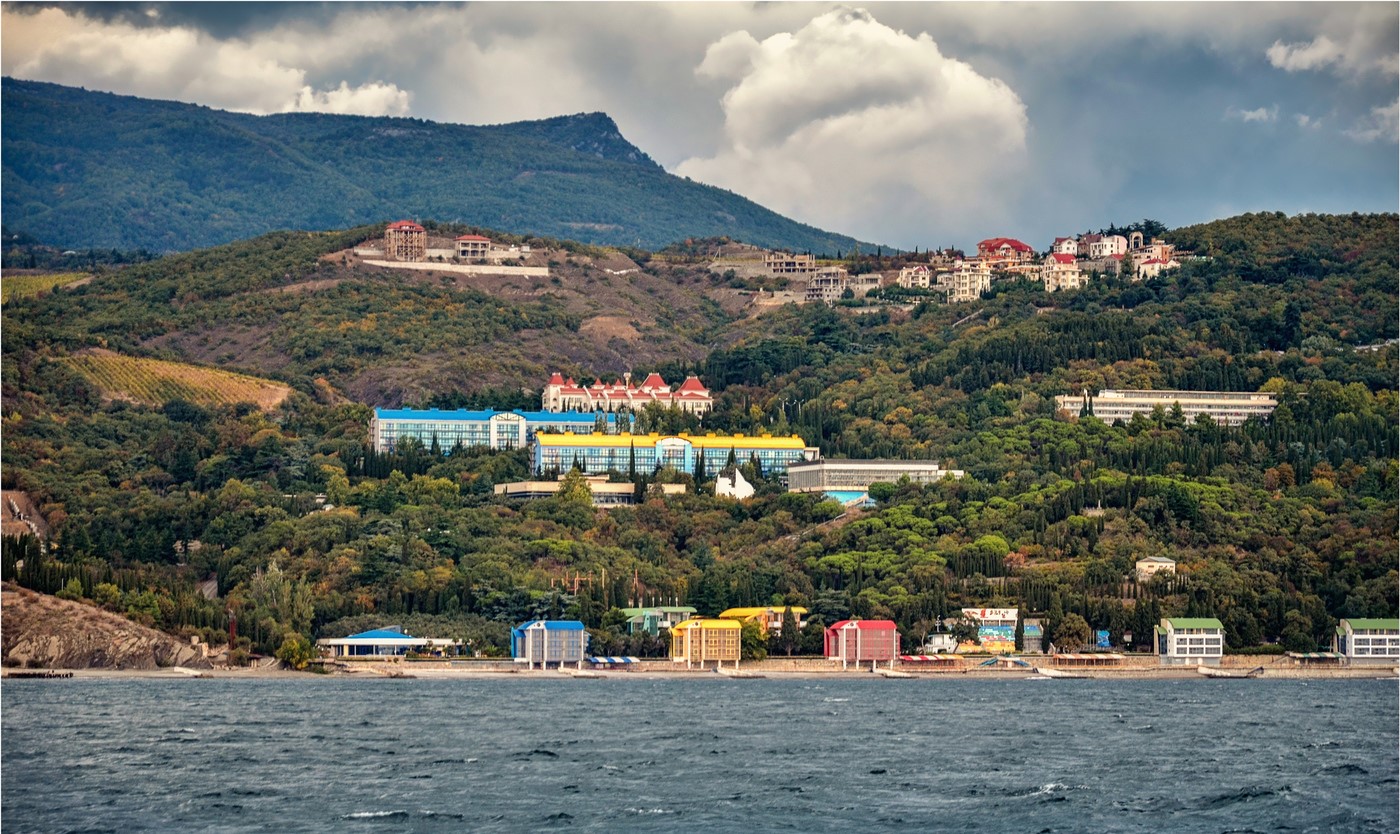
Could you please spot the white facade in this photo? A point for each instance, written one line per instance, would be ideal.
(1190, 641)
(1153, 565)
(1364, 639)
(1060, 272)
(1230, 408)
(827, 285)
(915, 277)
(1065, 246)
(1108, 245)
(833, 474)
(968, 280)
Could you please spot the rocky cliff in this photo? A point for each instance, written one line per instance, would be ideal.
(42, 631)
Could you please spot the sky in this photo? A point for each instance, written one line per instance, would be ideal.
(909, 124)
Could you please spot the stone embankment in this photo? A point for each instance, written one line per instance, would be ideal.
(38, 631)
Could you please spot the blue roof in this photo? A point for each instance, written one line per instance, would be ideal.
(560, 625)
(381, 634)
(459, 414)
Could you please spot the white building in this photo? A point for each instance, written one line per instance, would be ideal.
(1065, 246)
(1230, 408)
(785, 263)
(1060, 272)
(1107, 245)
(827, 285)
(1152, 267)
(968, 280)
(1190, 641)
(1153, 565)
(915, 277)
(841, 475)
(1368, 639)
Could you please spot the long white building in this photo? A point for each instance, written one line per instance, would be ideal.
(828, 474)
(1230, 408)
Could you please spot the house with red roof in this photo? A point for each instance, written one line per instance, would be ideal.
(862, 641)
(473, 247)
(1061, 272)
(1065, 246)
(405, 241)
(562, 394)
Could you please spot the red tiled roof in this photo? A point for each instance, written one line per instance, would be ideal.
(556, 379)
(998, 242)
(879, 625)
(653, 380)
(475, 237)
(1062, 258)
(692, 385)
(406, 224)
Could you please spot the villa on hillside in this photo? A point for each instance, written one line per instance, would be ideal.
(405, 241)
(562, 394)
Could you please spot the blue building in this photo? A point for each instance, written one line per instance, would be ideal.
(501, 430)
(389, 642)
(549, 641)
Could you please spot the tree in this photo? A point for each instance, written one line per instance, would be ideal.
(788, 637)
(753, 643)
(574, 488)
(296, 651)
(1073, 633)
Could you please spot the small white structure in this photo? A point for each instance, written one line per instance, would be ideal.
(383, 643)
(734, 485)
(1368, 639)
(1190, 641)
(1153, 565)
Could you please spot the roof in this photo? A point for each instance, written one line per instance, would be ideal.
(998, 242)
(475, 237)
(864, 625)
(692, 384)
(746, 613)
(1162, 560)
(1372, 623)
(381, 634)
(463, 415)
(406, 224)
(643, 441)
(653, 380)
(1194, 622)
(707, 623)
(553, 625)
(556, 379)
(1063, 258)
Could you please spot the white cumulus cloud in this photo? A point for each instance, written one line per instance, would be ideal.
(1258, 114)
(1364, 50)
(850, 124)
(1382, 124)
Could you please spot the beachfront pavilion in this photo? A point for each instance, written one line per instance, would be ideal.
(701, 641)
(549, 641)
(1087, 660)
(386, 644)
(861, 641)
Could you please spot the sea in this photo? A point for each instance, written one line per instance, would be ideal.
(855, 754)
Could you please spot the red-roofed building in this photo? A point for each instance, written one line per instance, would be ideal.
(473, 247)
(567, 395)
(1065, 246)
(405, 241)
(862, 641)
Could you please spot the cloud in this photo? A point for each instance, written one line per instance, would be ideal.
(1365, 51)
(1259, 114)
(1307, 122)
(180, 63)
(1382, 124)
(847, 123)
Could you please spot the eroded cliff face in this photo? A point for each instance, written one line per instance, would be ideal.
(42, 631)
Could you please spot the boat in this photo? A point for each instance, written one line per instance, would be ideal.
(1058, 673)
(893, 673)
(1212, 672)
(737, 673)
(581, 673)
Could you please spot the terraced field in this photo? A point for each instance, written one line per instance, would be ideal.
(23, 286)
(156, 381)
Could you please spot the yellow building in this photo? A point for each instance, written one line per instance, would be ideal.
(700, 641)
(769, 618)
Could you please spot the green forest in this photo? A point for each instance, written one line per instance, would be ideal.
(1278, 528)
(86, 169)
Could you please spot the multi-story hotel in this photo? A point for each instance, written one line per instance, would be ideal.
(600, 453)
(1369, 639)
(1190, 641)
(549, 641)
(488, 428)
(968, 280)
(562, 394)
(828, 474)
(704, 641)
(1230, 408)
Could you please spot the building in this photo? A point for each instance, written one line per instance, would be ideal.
(1230, 408)
(384, 643)
(862, 641)
(968, 280)
(491, 429)
(1368, 639)
(653, 620)
(549, 641)
(1060, 272)
(1065, 246)
(784, 263)
(827, 285)
(944, 258)
(1153, 267)
(1153, 565)
(1086, 243)
(1032, 636)
(996, 629)
(700, 641)
(769, 618)
(1190, 641)
(915, 277)
(473, 247)
(562, 394)
(830, 475)
(1004, 250)
(605, 494)
(405, 241)
(601, 453)
(1107, 245)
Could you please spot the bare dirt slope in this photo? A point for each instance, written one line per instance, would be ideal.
(42, 631)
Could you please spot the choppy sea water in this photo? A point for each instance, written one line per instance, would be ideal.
(706, 755)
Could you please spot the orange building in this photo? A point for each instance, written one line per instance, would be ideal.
(704, 641)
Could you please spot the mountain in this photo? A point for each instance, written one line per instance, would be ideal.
(90, 169)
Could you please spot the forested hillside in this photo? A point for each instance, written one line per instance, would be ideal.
(1278, 528)
(86, 169)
